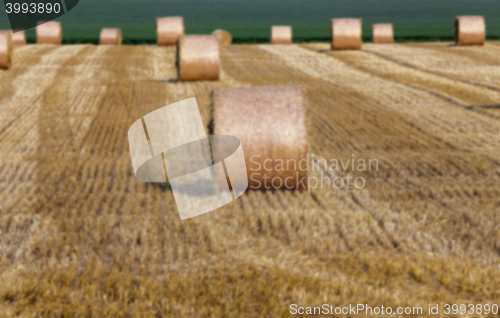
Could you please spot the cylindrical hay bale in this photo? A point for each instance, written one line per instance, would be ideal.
(281, 35)
(111, 37)
(470, 30)
(223, 36)
(168, 30)
(5, 49)
(346, 34)
(270, 122)
(19, 38)
(383, 33)
(49, 33)
(198, 58)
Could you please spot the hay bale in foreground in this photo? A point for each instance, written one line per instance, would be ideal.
(198, 58)
(5, 49)
(346, 34)
(224, 37)
(110, 37)
(49, 33)
(281, 35)
(19, 38)
(270, 122)
(470, 30)
(168, 30)
(383, 33)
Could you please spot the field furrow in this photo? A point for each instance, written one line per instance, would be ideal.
(473, 65)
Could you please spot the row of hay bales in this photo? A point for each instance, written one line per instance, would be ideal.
(198, 55)
(51, 33)
(346, 34)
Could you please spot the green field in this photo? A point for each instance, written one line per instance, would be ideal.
(249, 21)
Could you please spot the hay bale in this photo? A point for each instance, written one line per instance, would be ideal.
(168, 30)
(5, 49)
(223, 36)
(346, 34)
(198, 58)
(110, 37)
(19, 38)
(281, 35)
(270, 122)
(383, 33)
(49, 33)
(470, 30)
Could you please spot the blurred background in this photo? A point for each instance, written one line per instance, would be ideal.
(250, 21)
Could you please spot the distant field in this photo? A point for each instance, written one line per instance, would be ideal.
(249, 21)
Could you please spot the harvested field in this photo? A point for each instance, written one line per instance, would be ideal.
(81, 236)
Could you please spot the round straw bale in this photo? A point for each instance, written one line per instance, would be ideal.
(49, 33)
(281, 35)
(19, 38)
(198, 58)
(168, 30)
(111, 37)
(346, 34)
(223, 36)
(5, 49)
(383, 33)
(470, 30)
(270, 122)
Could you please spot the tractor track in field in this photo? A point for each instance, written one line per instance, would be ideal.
(471, 65)
(461, 94)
